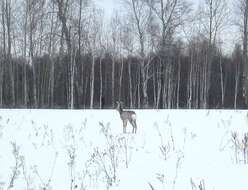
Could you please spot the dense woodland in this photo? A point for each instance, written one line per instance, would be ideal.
(149, 54)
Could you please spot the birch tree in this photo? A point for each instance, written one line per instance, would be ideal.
(1, 82)
(139, 13)
(170, 14)
(214, 18)
(34, 12)
(237, 59)
(3, 59)
(243, 23)
(7, 45)
(115, 40)
(25, 32)
(128, 41)
(63, 11)
(95, 30)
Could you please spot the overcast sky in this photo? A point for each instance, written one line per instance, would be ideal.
(229, 37)
(108, 5)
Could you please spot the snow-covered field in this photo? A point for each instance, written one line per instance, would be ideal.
(86, 150)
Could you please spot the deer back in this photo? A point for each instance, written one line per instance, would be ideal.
(128, 115)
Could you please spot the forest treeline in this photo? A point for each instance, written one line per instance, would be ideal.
(152, 54)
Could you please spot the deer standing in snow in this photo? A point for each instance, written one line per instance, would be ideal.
(127, 116)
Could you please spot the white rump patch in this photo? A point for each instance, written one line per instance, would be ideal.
(133, 116)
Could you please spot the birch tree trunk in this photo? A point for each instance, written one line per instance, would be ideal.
(25, 86)
(144, 83)
(62, 15)
(140, 30)
(113, 81)
(72, 76)
(3, 28)
(92, 81)
(237, 75)
(9, 57)
(159, 84)
(130, 84)
(86, 86)
(178, 82)
(51, 50)
(189, 86)
(31, 52)
(154, 87)
(1, 82)
(3, 59)
(138, 88)
(79, 26)
(222, 83)
(245, 38)
(101, 85)
(81, 87)
(120, 80)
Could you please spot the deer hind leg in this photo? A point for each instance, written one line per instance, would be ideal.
(133, 122)
(134, 126)
(124, 126)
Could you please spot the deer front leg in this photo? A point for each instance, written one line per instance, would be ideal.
(134, 126)
(124, 126)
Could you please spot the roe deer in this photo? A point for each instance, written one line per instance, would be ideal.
(127, 116)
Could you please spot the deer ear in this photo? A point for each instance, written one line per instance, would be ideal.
(117, 103)
(121, 103)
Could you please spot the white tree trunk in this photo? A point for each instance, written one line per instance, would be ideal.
(120, 81)
(222, 83)
(130, 85)
(113, 81)
(101, 85)
(159, 88)
(92, 82)
(72, 76)
(237, 75)
(1, 83)
(178, 81)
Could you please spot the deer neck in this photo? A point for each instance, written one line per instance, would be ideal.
(120, 110)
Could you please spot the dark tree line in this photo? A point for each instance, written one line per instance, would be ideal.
(62, 54)
(184, 93)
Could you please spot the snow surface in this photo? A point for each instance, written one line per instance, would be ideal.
(85, 149)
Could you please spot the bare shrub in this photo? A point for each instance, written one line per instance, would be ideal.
(236, 144)
(107, 158)
(199, 186)
(16, 168)
(240, 146)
